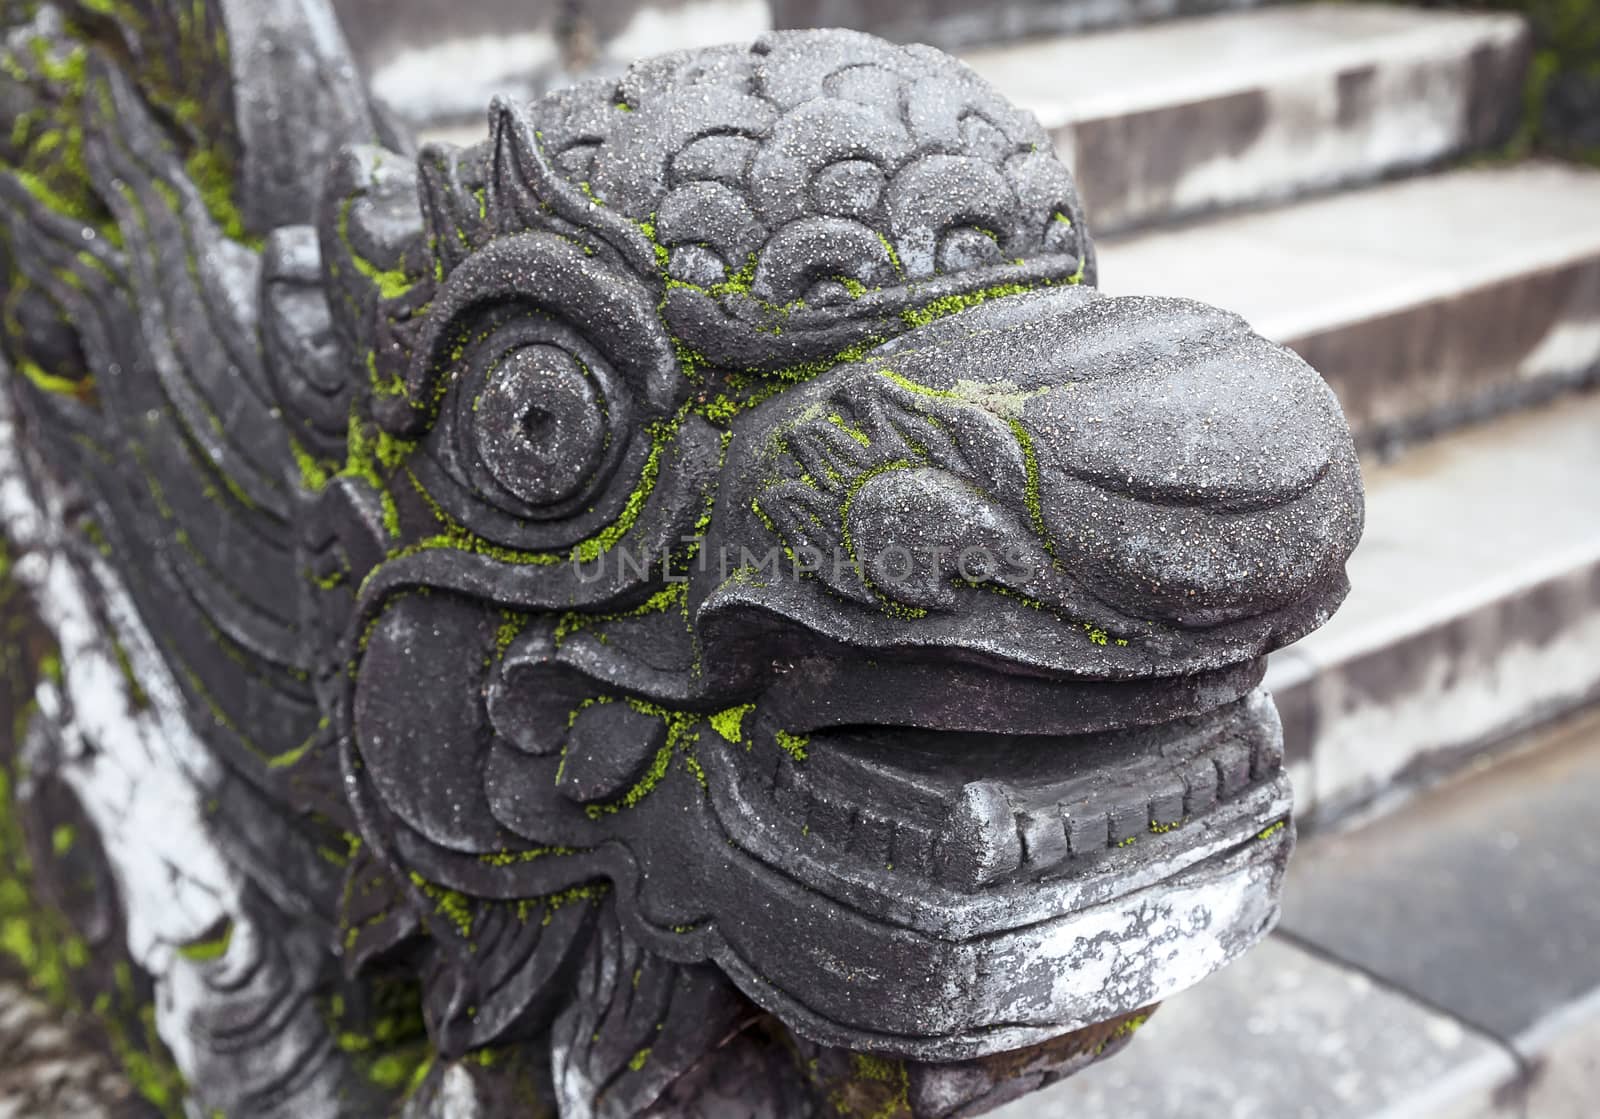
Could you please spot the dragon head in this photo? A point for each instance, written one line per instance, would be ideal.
(754, 533)
(773, 638)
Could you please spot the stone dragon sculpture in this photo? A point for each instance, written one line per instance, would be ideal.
(694, 605)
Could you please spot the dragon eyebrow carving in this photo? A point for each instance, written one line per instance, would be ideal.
(692, 603)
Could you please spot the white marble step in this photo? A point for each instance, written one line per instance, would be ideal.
(1182, 116)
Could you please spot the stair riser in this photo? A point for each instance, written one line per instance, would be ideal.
(1463, 357)
(1295, 133)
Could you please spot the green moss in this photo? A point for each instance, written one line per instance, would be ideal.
(292, 757)
(385, 1037)
(61, 386)
(212, 175)
(870, 1088)
(515, 858)
(894, 257)
(1031, 492)
(680, 740)
(921, 390)
(313, 472)
(648, 228)
(739, 282)
(213, 949)
(607, 538)
(730, 723)
(47, 141)
(849, 429)
(142, 1055)
(637, 1061)
(668, 597)
(1273, 830)
(1561, 97)
(793, 744)
(368, 449)
(1124, 1029)
(453, 906)
(953, 304)
(511, 624)
(392, 283)
(49, 950)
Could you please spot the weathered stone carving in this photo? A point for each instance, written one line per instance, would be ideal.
(693, 606)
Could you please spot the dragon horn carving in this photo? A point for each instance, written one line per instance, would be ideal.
(692, 606)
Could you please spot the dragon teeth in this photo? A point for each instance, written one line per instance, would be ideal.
(980, 844)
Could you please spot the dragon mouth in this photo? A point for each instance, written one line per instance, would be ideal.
(950, 894)
(951, 830)
(980, 810)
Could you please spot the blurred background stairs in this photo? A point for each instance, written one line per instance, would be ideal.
(1341, 175)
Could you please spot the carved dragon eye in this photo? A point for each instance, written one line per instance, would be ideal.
(540, 418)
(539, 424)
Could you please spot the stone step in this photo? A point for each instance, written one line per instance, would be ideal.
(1424, 302)
(1474, 613)
(1434, 965)
(1184, 116)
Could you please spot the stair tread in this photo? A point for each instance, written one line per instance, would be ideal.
(1308, 266)
(1173, 119)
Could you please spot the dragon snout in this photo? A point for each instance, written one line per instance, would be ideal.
(1130, 471)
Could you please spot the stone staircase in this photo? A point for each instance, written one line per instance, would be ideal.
(1461, 296)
